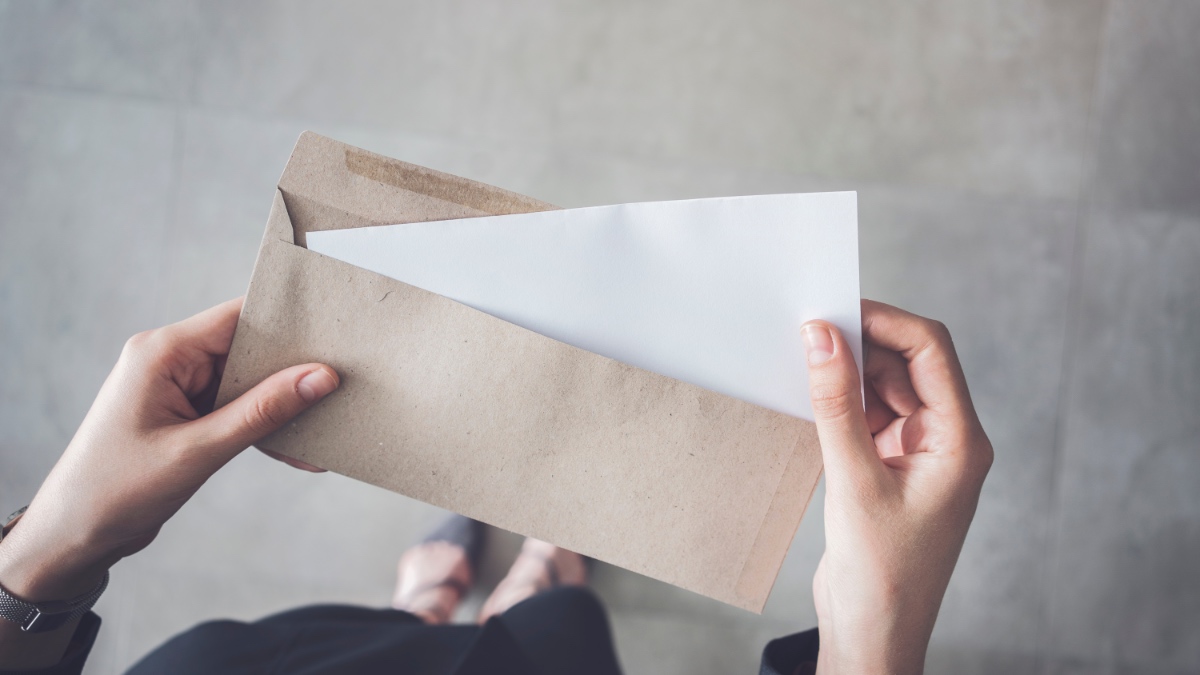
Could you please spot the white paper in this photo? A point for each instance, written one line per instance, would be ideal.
(708, 291)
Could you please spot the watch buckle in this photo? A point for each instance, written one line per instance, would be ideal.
(35, 619)
(40, 621)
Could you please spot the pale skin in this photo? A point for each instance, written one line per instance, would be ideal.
(424, 569)
(903, 477)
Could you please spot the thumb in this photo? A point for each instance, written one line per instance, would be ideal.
(271, 404)
(846, 442)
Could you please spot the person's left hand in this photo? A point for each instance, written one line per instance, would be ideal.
(150, 440)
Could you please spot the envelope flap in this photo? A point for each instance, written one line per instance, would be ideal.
(329, 185)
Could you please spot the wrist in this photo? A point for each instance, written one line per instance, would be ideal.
(878, 659)
(41, 584)
(43, 569)
(879, 644)
(44, 603)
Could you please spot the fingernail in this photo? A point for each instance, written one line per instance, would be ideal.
(818, 342)
(315, 385)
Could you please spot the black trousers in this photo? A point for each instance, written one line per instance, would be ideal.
(564, 630)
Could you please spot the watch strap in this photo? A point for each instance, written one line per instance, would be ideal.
(41, 617)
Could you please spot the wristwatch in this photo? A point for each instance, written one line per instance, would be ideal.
(41, 617)
(12, 520)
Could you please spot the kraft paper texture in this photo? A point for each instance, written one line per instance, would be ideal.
(467, 412)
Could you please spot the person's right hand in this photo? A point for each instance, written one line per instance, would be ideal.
(902, 480)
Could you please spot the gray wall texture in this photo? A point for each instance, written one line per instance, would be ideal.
(1028, 172)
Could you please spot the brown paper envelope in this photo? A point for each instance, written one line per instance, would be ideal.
(454, 407)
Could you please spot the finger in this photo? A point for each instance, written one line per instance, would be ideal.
(846, 442)
(264, 409)
(211, 330)
(889, 441)
(933, 366)
(186, 351)
(887, 373)
(879, 415)
(292, 461)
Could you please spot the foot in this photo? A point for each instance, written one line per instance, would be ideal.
(539, 567)
(432, 580)
(435, 575)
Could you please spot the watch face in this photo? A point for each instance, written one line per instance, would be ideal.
(16, 514)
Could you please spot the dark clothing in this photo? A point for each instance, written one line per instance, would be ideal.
(794, 654)
(76, 654)
(561, 631)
